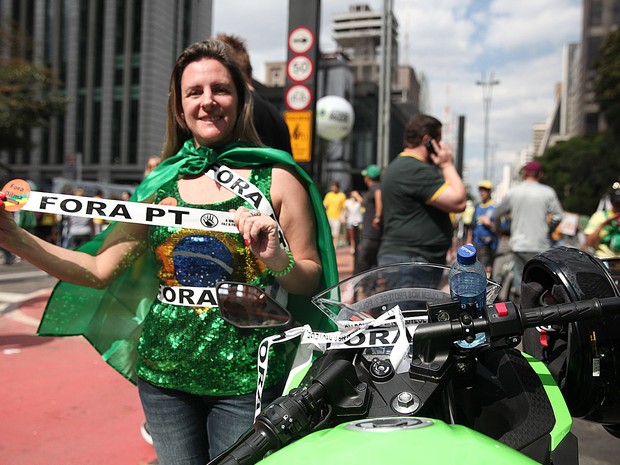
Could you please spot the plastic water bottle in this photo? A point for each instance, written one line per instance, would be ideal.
(468, 283)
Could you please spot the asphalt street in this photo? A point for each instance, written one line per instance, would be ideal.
(61, 404)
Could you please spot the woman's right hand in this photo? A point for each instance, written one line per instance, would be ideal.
(8, 227)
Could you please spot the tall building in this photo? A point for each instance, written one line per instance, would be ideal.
(600, 17)
(563, 122)
(275, 74)
(569, 108)
(114, 59)
(576, 111)
(358, 34)
(539, 130)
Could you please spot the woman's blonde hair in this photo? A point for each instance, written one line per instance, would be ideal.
(177, 131)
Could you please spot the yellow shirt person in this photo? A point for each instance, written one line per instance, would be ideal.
(334, 204)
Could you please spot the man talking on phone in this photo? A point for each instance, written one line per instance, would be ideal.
(420, 188)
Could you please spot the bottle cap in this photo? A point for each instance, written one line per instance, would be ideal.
(466, 254)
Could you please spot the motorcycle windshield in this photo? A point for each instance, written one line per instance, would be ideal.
(411, 286)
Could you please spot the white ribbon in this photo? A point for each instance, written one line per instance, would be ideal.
(247, 191)
(389, 330)
(186, 296)
(159, 215)
(131, 212)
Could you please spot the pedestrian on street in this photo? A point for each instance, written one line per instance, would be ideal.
(270, 126)
(151, 164)
(483, 236)
(366, 257)
(333, 202)
(419, 189)
(535, 212)
(353, 217)
(9, 257)
(603, 229)
(196, 374)
(79, 229)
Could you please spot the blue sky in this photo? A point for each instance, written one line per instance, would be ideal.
(453, 43)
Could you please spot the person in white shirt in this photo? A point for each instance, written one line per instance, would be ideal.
(535, 211)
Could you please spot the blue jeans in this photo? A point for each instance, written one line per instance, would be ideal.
(188, 429)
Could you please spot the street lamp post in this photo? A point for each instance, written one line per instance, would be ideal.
(487, 88)
(385, 86)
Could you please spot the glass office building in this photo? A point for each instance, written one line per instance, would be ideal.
(113, 59)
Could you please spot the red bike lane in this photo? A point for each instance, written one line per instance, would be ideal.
(61, 403)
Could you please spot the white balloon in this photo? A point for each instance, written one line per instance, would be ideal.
(334, 117)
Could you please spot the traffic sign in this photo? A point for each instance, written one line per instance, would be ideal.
(300, 129)
(298, 97)
(300, 40)
(300, 68)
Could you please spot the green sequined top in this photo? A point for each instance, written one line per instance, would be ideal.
(191, 348)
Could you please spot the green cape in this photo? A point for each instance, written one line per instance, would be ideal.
(111, 319)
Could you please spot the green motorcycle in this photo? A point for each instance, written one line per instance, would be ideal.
(392, 384)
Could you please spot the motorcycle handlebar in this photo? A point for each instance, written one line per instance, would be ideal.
(287, 418)
(506, 319)
(571, 311)
(250, 450)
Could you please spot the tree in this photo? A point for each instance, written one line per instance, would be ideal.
(607, 81)
(28, 99)
(581, 170)
(29, 95)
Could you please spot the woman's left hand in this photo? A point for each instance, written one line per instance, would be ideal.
(260, 233)
(300, 272)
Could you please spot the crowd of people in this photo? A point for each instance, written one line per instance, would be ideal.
(529, 220)
(417, 209)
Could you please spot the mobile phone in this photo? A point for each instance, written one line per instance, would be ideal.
(430, 148)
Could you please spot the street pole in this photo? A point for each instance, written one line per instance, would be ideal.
(487, 88)
(385, 87)
(460, 152)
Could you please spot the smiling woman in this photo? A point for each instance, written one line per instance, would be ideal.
(196, 373)
(209, 102)
(226, 83)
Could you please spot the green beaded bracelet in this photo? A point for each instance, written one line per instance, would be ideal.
(289, 267)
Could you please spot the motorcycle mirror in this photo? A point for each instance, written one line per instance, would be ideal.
(247, 306)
